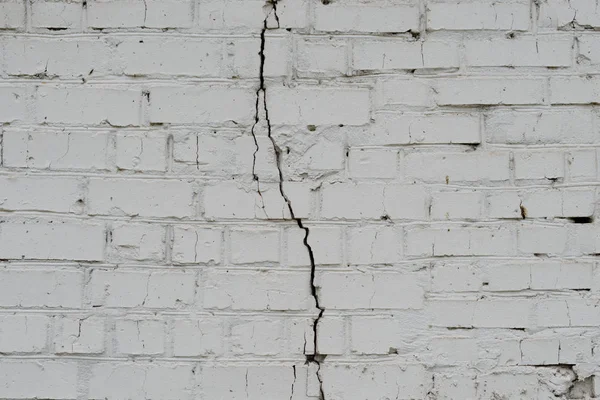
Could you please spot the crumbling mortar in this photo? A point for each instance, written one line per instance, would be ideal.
(315, 358)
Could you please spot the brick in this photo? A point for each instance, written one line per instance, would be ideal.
(394, 55)
(141, 289)
(456, 205)
(153, 198)
(83, 335)
(552, 275)
(404, 201)
(539, 165)
(129, 379)
(196, 245)
(325, 242)
(543, 127)
(23, 333)
(374, 245)
(540, 351)
(330, 336)
(138, 242)
(69, 58)
(169, 14)
(41, 288)
(88, 105)
(561, 14)
(501, 314)
(508, 277)
(258, 336)
(38, 240)
(454, 15)
(136, 337)
(116, 14)
(489, 91)
(13, 14)
(41, 194)
(582, 165)
(366, 163)
(574, 89)
(141, 153)
(56, 14)
(147, 56)
(200, 337)
(455, 278)
(367, 201)
(251, 246)
(542, 239)
(412, 381)
(56, 150)
(272, 291)
(319, 106)
(457, 167)
(242, 59)
(322, 57)
(460, 241)
(503, 204)
(187, 105)
(264, 381)
(53, 379)
(409, 92)
(525, 51)
(374, 291)
(14, 103)
(376, 18)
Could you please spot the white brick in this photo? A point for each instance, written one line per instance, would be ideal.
(551, 276)
(507, 277)
(322, 57)
(56, 150)
(14, 103)
(56, 14)
(545, 51)
(139, 336)
(138, 380)
(409, 92)
(139, 242)
(52, 241)
(539, 165)
(53, 379)
(582, 165)
(540, 351)
(489, 91)
(411, 381)
(169, 14)
(330, 336)
(455, 278)
(116, 14)
(478, 16)
(503, 204)
(152, 198)
(272, 291)
(150, 56)
(197, 337)
(367, 201)
(254, 246)
(264, 381)
(259, 337)
(186, 105)
(544, 127)
(141, 153)
(501, 314)
(83, 335)
(561, 13)
(88, 105)
(41, 194)
(39, 288)
(574, 89)
(378, 290)
(55, 57)
(542, 239)
(12, 14)
(366, 163)
(193, 245)
(318, 106)
(456, 205)
(23, 333)
(374, 18)
(374, 245)
(460, 241)
(405, 201)
(452, 167)
(391, 55)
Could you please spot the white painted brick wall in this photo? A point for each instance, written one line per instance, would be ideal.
(299, 199)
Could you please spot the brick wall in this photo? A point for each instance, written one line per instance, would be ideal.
(301, 199)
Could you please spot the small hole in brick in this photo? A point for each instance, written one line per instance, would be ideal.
(581, 220)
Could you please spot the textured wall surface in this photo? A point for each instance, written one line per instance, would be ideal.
(301, 199)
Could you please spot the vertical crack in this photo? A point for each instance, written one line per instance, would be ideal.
(314, 358)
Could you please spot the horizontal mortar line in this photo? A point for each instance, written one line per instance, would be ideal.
(146, 266)
(158, 33)
(153, 313)
(507, 222)
(158, 359)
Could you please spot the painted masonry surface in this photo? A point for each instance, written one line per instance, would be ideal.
(300, 199)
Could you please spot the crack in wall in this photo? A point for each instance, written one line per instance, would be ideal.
(314, 358)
